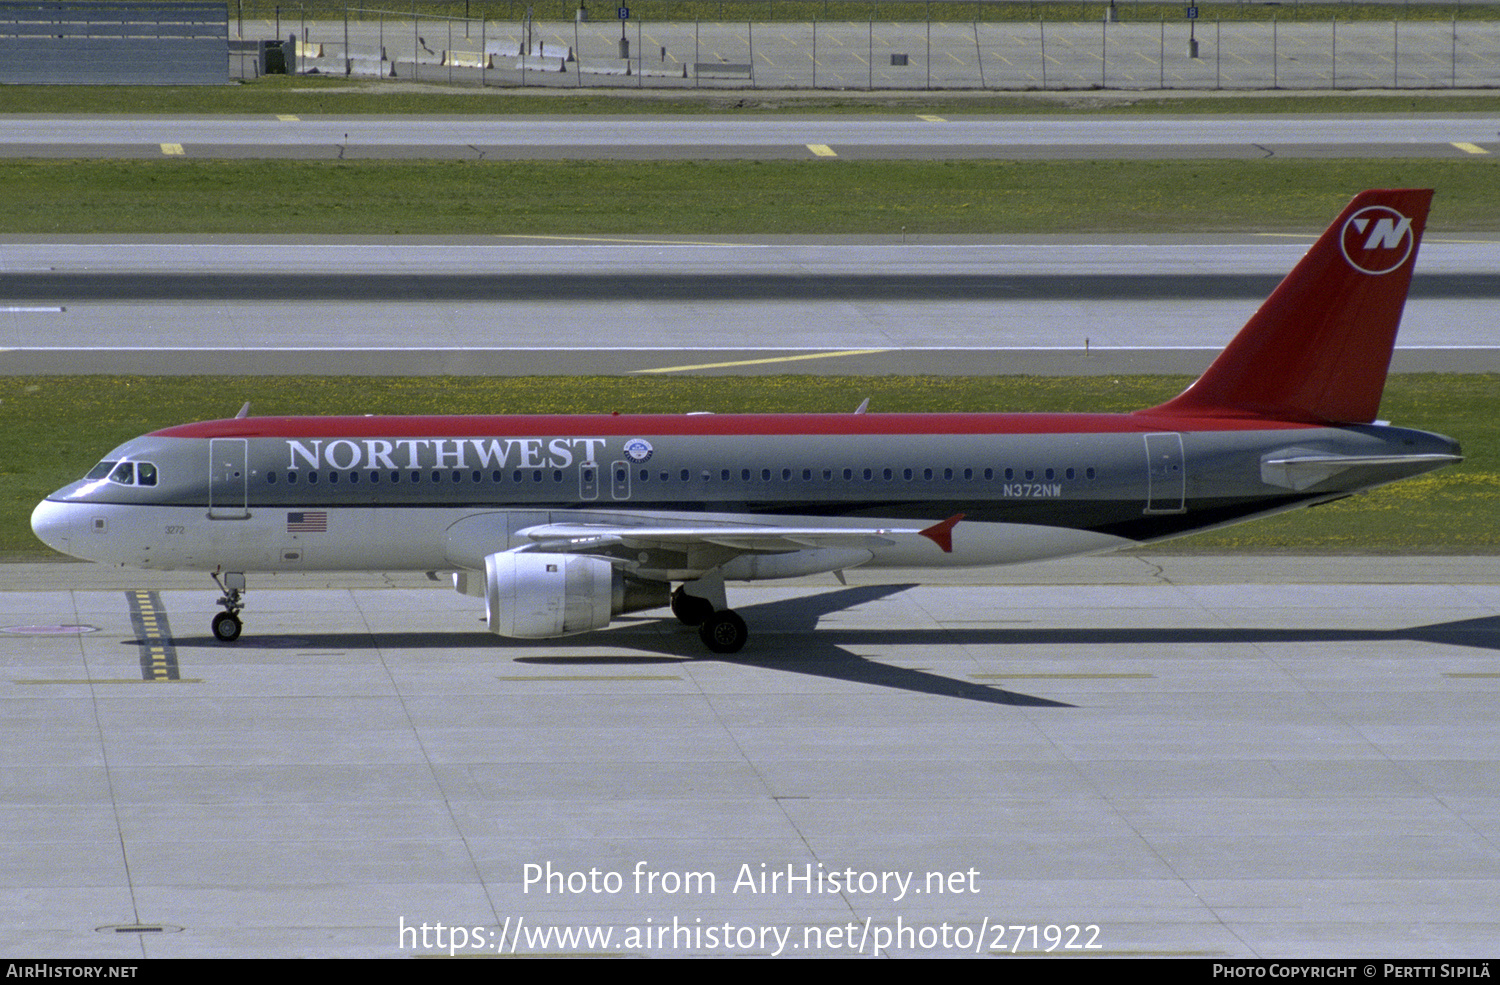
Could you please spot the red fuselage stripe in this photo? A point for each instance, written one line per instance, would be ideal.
(712, 425)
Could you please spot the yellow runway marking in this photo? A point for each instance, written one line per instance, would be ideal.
(591, 677)
(822, 150)
(171, 148)
(288, 118)
(609, 239)
(1060, 677)
(930, 119)
(1469, 148)
(109, 680)
(762, 362)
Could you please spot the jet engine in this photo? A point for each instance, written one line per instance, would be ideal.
(534, 596)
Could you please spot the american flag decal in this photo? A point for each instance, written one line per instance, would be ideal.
(307, 523)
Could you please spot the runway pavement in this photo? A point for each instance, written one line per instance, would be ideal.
(668, 137)
(1184, 756)
(538, 305)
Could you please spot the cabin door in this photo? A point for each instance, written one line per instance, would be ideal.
(228, 479)
(1166, 476)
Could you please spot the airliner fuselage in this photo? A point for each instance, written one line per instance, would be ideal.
(562, 522)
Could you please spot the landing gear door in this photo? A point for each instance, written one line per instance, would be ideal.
(1166, 476)
(228, 478)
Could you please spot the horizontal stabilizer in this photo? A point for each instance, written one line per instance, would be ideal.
(1298, 471)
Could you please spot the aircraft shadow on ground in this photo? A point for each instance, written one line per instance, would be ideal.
(795, 644)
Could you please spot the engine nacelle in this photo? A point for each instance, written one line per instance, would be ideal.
(535, 596)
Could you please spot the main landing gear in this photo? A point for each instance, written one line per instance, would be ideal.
(227, 625)
(720, 628)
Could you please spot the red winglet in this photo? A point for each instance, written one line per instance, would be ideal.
(941, 534)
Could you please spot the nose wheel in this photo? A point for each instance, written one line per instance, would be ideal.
(227, 625)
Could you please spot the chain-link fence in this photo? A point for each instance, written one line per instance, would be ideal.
(904, 55)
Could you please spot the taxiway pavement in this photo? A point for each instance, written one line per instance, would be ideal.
(925, 137)
(542, 304)
(1276, 757)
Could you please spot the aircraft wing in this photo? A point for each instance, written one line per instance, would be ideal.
(584, 537)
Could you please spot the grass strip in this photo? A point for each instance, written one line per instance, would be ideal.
(316, 95)
(56, 428)
(688, 198)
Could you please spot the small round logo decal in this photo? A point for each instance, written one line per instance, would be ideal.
(638, 449)
(1377, 239)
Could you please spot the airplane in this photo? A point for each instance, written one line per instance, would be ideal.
(563, 522)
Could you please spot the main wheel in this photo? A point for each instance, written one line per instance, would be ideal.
(690, 610)
(227, 627)
(723, 632)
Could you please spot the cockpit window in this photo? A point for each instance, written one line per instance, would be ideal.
(125, 473)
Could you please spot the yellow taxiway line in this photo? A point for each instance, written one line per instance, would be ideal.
(762, 362)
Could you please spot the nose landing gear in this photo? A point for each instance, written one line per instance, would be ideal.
(227, 624)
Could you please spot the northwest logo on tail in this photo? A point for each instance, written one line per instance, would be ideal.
(1377, 240)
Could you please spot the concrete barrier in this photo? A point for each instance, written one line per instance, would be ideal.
(467, 59)
(722, 70)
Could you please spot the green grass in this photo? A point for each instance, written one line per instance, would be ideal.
(693, 198)
(55, 428)
(321, 95)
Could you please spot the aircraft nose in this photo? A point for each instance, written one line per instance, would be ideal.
(52, 523)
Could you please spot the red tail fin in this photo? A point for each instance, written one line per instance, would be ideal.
(1319, 347)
